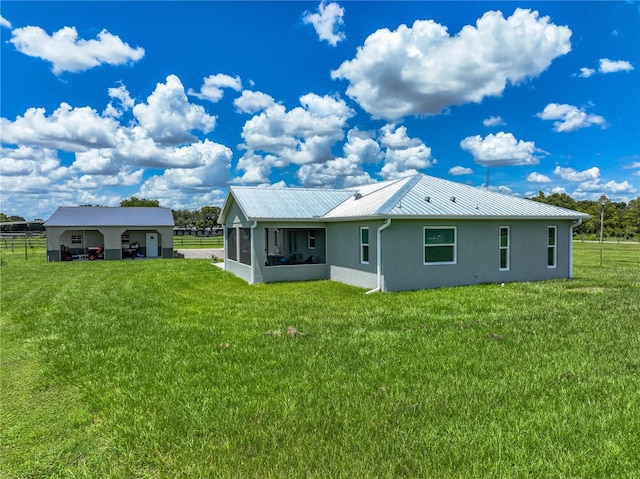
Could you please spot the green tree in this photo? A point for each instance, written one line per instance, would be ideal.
(135, 201)
(630, 221)
(208, 216)
(182, 218)
(556, 199)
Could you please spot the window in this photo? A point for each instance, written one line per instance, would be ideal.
(76, 239)
(311, 237)
(504, 248)
(245, 245)
(440, 245)
(232, 245)
(364, 245)
(551, 247)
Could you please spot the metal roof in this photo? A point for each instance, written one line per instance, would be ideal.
(428, 196)
(83, 216)
(418, 196)
(373, 199)
(284, 203)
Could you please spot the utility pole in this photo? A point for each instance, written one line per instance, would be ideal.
(603, 202)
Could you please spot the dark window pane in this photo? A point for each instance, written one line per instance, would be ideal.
(551, 261)
(245, 246)
(365, 254)
(439, 236)
(365, 235)
(232, 246)
(504, 237)
(438, 254)
(503, 259)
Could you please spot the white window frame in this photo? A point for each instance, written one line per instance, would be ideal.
(76, 239)
(311, 239)
(506, 248)
(364, 245)
(454, 244)
(554, 246)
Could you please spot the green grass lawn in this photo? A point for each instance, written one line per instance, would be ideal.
(175, 368)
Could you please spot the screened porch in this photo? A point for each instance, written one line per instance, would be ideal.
(294, 246)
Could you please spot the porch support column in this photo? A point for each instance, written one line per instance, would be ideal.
(253, 252)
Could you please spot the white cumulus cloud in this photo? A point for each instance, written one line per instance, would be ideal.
(606, 66)
(422, 70)
(612, 66)
(253, 101)
(493, 121)
(404, 156)
(68, 53)
(535, 177)
(67, 128)
(460, 170)
(212, 88)
(501, 149)
(215, 162)
(168, 117)
(569, 174)
(328, 22)
(275, 137)
(121, 102)
(611, 187)
(346, 171)
(586, 72)
(4, 22)
(570, 118)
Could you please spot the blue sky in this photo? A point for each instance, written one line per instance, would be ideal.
(173, 101)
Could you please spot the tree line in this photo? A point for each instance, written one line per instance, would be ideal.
(621, 220)
(205, 217)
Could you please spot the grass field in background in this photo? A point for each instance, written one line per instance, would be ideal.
(175, 368)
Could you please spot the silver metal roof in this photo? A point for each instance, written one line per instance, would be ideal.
(84, 216)
(435, 197)
(284, 203)
(417, 196)
(373, 199)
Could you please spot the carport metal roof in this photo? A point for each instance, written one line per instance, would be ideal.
(91, 216)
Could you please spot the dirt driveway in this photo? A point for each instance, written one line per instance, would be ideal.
(205, 253)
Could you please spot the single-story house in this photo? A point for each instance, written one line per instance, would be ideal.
(411, 233)
(121, 232)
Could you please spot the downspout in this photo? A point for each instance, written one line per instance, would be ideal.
(253, 253)
(386, 224)
(573, 225)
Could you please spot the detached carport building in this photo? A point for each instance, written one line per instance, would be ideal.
(117, 229)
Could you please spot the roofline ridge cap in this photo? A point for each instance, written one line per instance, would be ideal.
(388, 205)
